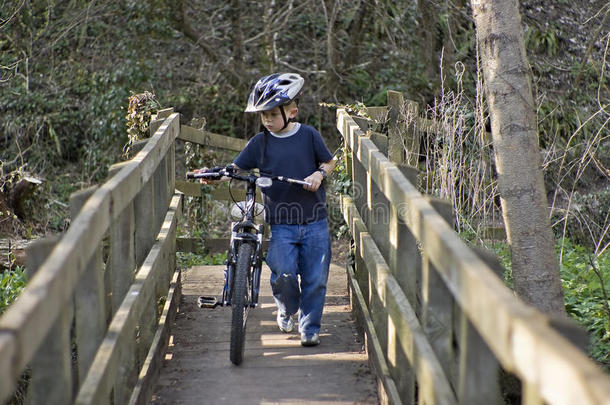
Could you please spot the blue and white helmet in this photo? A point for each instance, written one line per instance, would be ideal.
(273, 91)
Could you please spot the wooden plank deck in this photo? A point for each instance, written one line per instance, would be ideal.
(276, 368)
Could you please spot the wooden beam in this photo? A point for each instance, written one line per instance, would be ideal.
(90, 298)
(206, 138)
(8, 367)
(51, 368)
(100, 378)
(149, 373)
(389, 394)
(189, 188)
(218, 192)
(53, 285)
(432, 381)
(478, 290)
(378, 114)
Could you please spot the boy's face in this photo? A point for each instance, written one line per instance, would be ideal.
(273, 121)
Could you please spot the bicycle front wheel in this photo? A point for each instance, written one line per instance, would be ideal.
(240, 303)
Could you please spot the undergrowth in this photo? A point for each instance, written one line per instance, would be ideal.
(586, 281)
(11, 284)
(188, 259)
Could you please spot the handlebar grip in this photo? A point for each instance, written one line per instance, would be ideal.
(193, 175)
(293, 181)
(302, 182)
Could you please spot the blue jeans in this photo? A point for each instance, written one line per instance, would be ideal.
(300, 252)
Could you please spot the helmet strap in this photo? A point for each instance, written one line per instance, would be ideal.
(284, 117)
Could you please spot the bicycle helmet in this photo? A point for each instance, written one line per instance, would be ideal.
(273, 91)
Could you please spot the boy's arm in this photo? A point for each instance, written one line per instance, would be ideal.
(328, 167)
(317, 177)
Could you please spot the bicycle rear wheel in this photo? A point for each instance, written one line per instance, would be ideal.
(240, 303)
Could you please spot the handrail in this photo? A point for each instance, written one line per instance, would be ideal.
(520, 337)
(126, 212)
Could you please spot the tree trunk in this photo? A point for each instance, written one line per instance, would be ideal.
(333, 79)
(428, 21)
(513, 125)
(355, 33)
(269, 54)
(237, 38)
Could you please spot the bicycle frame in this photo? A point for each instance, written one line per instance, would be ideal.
(245, 231)
(245, 258)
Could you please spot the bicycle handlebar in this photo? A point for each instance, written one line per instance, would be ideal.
(193, 175)
(289, 180)
(216, 173)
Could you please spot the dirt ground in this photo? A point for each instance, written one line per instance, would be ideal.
(276, 368)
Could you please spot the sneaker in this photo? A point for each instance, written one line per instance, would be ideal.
(285, 322)
(310, 340)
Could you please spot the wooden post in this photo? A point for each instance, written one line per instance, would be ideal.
(171, 171)
(359, 182)
(405, 258)
(51, 366)
(405, 264)
(144, 215)
(531, 395)
(138, 146)
(154, 125)
(377, 216)
(380, 140)
(121, 260)
(157, 120)
(167, 193)
(478, 369)
(411, 173)
(403, 140)
(363, 123)
(143, 220)
(395, 143)
(347, 152)
(378, 114)
(127, 374)
(149, 374)
(148, 320)
(437, 302)
(356, 225)
(161, 201)
(89, 299)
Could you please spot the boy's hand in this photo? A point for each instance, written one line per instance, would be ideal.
(208, 181)
(315, 179)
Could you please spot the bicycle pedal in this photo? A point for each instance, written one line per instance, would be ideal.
(207, 302)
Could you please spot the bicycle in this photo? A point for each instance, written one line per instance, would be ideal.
(244, 259)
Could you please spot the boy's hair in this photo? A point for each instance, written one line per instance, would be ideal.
(291, 105)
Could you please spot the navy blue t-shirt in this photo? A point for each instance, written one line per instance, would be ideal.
(297, 156)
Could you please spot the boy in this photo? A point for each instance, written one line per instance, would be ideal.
(299, 248)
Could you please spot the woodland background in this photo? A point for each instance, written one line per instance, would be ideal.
(68, 69)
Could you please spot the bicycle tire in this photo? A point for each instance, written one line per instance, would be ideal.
(240, 303)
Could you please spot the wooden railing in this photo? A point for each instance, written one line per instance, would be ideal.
(440, 324)
(91, 325)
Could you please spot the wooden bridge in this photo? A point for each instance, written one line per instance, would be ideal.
(94, 322)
